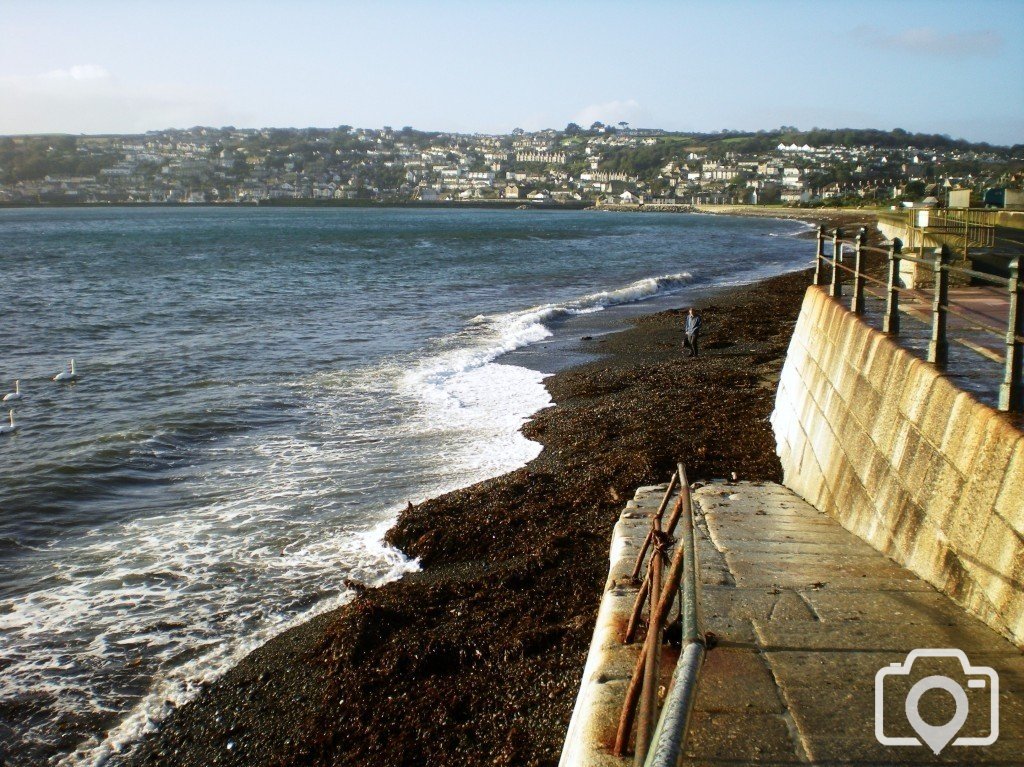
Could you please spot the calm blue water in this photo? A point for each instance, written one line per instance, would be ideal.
(260, 391)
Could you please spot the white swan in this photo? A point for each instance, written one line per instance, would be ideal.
(9, 428)
(14, 395)
(68, 374)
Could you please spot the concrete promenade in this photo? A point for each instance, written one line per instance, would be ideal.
(975, 355)
(806, 613)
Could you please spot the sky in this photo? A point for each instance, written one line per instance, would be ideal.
(488, 66)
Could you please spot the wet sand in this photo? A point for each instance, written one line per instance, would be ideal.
(477, 659)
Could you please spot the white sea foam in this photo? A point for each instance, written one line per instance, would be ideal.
(490, 336)
(171, 602)
(801, 227)
(476, 406)
(166, 602)
(182, 682)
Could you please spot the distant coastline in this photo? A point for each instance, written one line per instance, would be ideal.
(310, 203)
(765, 211)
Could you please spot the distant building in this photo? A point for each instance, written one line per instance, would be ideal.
(958, 198)
(548, 158)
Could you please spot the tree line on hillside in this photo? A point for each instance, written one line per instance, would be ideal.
(35, 157)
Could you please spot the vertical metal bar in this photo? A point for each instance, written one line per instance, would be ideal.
(691, 622)
(891, 323)
(918, 266)
(857, 302)
(628, 714)
(837, 256)
(819, 256)
(683, 504)
(652, 650)
(671, 583)
(634, 616)
(1011, 391)
(938, 347)
(967, 260)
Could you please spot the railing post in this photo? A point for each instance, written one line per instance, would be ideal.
(819, 257)
(891, 323)
(837, 256)
(938, 348)
(1011, 391)
(857, 302)
(647, 716)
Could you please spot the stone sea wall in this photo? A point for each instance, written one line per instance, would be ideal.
(900, 456)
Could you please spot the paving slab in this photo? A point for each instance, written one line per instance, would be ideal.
(738, 679)
(748, 739)
(840, 548)
(832, 604)
(858, 565)
(793, 595)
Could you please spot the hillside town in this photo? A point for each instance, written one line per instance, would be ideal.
(602, 164)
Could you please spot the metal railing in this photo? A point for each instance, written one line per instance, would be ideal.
(957, 227)
(1011, 389)
(660, 740)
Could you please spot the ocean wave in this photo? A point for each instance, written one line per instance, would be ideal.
(476, 406)
(207, 661)
(502, 333)
(216, 478)
(802, 228)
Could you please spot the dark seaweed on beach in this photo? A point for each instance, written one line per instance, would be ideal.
(477, 659)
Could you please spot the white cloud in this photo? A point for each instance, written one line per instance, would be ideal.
(87, 98)
(610, 113)
(79, 72)
(928, 41)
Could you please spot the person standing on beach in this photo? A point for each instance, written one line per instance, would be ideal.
(692, 330)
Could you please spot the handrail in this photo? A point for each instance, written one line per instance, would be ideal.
(681, 580)
(1011, 389)
(968, 228)
(669, 741)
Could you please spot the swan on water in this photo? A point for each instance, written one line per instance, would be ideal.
(14, 395)
(9, 428)
(68, 374)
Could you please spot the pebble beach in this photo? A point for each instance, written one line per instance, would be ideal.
(476, 659)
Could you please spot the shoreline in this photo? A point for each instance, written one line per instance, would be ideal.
(784, 212)
(512, 567)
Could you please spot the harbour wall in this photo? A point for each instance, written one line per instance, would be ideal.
(918, 468)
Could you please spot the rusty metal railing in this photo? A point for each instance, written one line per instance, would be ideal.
(1011, 388)
(660, 590)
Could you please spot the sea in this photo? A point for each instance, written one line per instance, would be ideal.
(259, 392)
